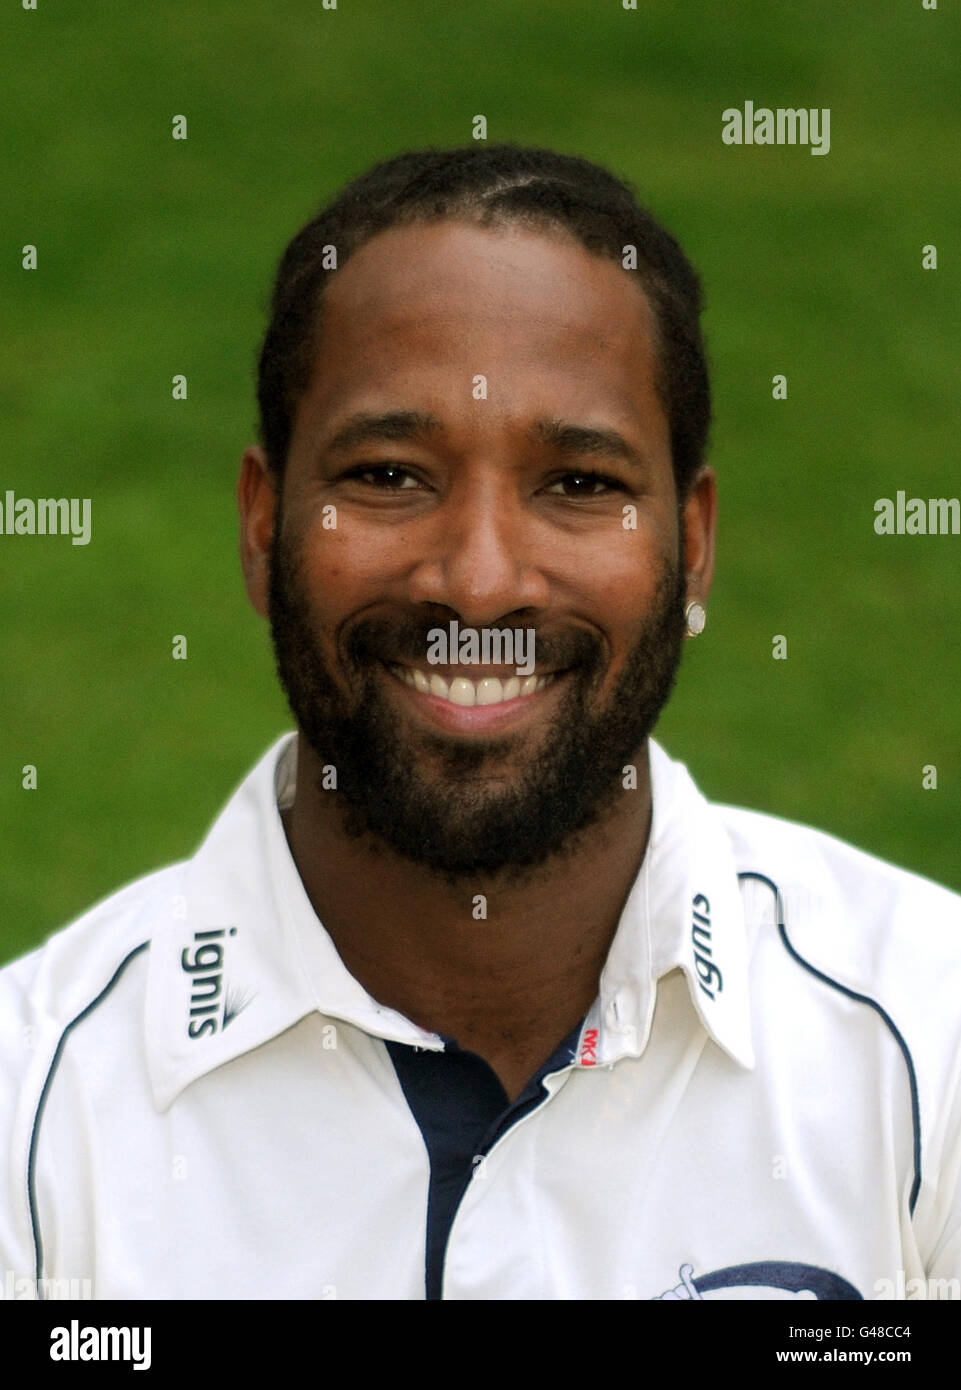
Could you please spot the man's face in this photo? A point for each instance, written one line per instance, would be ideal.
(523, 480)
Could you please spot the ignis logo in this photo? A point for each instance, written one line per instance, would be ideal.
(707, 972)
(211, 1006)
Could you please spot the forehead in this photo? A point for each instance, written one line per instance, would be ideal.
(421, 310)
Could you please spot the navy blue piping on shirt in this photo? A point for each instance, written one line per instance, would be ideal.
(461, 1109)
(872, 1003)
(32, 1160)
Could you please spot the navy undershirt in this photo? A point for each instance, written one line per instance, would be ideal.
(461, 1108)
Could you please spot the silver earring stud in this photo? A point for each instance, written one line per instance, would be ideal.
(696, 618)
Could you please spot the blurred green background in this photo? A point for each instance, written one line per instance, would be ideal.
(156, 257)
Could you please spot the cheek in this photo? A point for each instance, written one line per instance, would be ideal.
(353, 563)
(620, 576)
(316, 580)
(621, 587)
(344, 571)
(335, 566)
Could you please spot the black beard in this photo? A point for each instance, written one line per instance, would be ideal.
(459, 823)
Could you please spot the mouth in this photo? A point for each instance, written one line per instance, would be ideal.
(465, 692)
(464, 704)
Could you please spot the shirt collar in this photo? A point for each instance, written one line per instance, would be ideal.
(238, 954)
(684, 911)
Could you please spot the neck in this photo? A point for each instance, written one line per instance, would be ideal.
(506, 965)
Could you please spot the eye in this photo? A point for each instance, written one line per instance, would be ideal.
(388, 477)
(579, 485)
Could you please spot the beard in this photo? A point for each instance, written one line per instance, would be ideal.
(469, 808)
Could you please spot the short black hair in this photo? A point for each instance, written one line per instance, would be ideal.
(491, 185)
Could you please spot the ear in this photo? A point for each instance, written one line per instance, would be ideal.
(700, 517)
(257, 501)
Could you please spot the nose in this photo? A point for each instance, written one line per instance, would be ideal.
(480, 557)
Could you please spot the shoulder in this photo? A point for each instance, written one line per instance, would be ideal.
(45, 999)
(74, 966)
(88, 968)
(44, 992)
(829, 879)
(839, 937)
(871, 929)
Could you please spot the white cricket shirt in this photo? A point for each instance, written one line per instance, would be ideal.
(197, 1100)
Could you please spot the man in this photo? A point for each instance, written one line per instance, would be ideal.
(470, 994)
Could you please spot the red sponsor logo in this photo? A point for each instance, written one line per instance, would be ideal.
(589, 1048)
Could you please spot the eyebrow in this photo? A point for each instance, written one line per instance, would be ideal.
(563, 436)
(567, 438)
(367, 426)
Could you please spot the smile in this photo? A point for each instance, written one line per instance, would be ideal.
(461, 691)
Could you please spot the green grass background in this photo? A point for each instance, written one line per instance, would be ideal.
(155, 257)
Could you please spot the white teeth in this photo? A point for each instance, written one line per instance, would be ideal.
(489, 690)
(462, 691)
